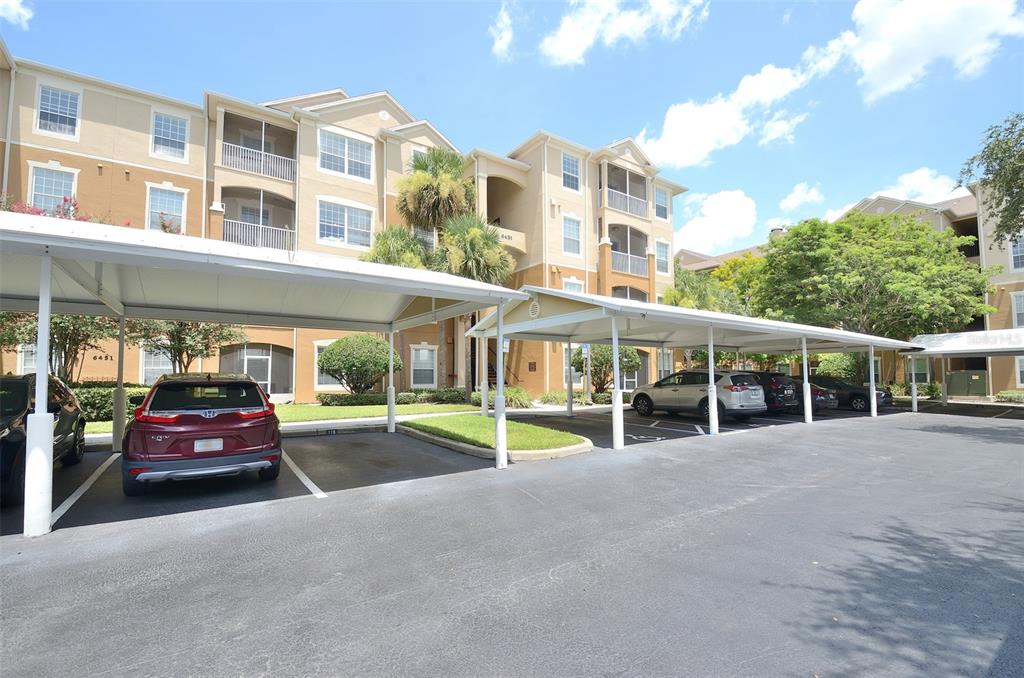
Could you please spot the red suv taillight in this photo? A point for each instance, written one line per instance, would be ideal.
(265, 412)
(142, 417)
(734, 389)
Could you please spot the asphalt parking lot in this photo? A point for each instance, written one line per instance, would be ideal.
(90, 492)
(883, 547)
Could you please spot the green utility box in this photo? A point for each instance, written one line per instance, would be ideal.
(968, 383)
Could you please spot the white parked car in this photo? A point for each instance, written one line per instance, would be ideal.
(739, 394)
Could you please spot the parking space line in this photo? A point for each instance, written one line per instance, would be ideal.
(699, 429)
(658, 421)
(301, 475)
(82, 489)
(1001, 413)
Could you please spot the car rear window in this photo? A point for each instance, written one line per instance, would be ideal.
(170, 397)
(783, 379)
(13, 396)
(744, 380)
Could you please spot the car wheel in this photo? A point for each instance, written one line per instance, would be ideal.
(272, 472)
(131, 486)
(643, 405)
(77, 451)
(14, 489)
(705, 411)
(858, 403)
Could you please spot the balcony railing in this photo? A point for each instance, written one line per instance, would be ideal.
(629, 263)
(255, 235)
(627, 203)
(257, 162)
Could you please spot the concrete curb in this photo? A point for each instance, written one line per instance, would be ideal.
(487, 453)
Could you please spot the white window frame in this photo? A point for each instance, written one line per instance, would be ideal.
(51, 165)
(668, 257)
(67, 87)
(665, 355)
(317, 386)
(142, 364)
(153, 153)
(1018, 367)
(567, 366)
(344, 203)
(912, 365)
(1015, 299)
(579, 239)
(21, 357)
(412, 368)
(168, 186)
(573, 280)
(341, 131)
(1009, 252)
(578, 175)
(668, 204)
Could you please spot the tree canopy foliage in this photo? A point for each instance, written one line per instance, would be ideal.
(999, 165)
(695, 289)
(601, 364)
(358, 361)
(434, 190)
(182, 342)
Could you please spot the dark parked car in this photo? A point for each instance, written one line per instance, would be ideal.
(781, 393)
(17, 401)
(821, 399)
(200, 425)
(850, 395)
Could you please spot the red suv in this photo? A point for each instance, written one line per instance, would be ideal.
(200, 425)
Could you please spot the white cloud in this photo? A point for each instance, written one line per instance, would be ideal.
(923, 185)
(778, 222)
(501, 33)
(802, 194)
(780, 128)
(721, 219)
(16, 12)
(588, 21)
(897, 41)
(832, 215)
(787, 16)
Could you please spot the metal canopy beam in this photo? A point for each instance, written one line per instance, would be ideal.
(91, 284)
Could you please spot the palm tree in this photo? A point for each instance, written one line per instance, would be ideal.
(471, 248)
(397, 246)
(435, 191)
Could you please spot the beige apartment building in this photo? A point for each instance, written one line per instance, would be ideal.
(968, 376)
(319, 172)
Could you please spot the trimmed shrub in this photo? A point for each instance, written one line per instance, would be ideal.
(425, 397)
(558, 398)
(103, 384)
(1014, 396)
(901, 389)
(450, 395)
(515, 397)
(352, 399)
(405, 398)
(932, 390)
(98, 401)
(358, 361)
(606, 398)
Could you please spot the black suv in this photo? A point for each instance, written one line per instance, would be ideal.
(17, 401)
(781, 394)
(850, 395)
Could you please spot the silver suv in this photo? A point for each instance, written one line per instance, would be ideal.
(739, 394)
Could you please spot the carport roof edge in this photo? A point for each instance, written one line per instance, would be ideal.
(650, 324)
(979, 344)
(104, 269)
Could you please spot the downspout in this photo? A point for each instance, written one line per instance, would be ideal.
(295, 212)
(10, 119)
(206, 161)
(586, 222)
(545, 215)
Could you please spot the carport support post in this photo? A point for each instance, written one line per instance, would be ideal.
(484, 377)
(945, 376)
(39, 440)
(618, 439)
(913, 384)
(500, 434)
(119, 404)
(391, 382)
(712, 389)
(808, 405)
(568, 380)
(872, 396)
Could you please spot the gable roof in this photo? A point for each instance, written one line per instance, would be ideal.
(297, 100)
(401, 131)
(364, 98)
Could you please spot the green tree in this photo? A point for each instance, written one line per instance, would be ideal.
(11, 333)
(397, 246)
(70, 337)
(695, 289)
(358, 361)
(839, 365)
(740, 276)
(471, 248)
(182, 342)
(434, 191)
(999, 165)
(888, 275)
(601, 374)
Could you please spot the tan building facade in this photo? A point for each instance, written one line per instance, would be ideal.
(319, 172)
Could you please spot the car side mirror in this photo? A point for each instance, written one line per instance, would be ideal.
(53, 407)
(136, 400)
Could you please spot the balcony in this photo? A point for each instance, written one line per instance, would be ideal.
(629, 263)
(257, 235)
(257, 162)
(627, 203)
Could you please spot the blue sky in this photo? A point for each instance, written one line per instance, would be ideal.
(768, 111)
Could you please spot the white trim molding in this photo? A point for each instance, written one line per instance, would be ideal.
(412, 369)
(167, 186)
(55, 165)
(351, 134)
(153, 153)
(67, 86)
(345, 202)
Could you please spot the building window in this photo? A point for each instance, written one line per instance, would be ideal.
(572, 285)
(426, 236)
(661, 256)
(577, 376)
(1020, 371)
(26, 358)
(664, 363)
(419, 155)
(321, 378)
(345, 155)
(169, 135)
(631, 293)
(50, 187)
(251, 215)
(341, 224)
(919, 368)
(1017, 255)
(878, 370)
(571, 236)
(1018, 308)
(154, 365)
(570, 172)
(58, 111)
(166, 210)
(661, 203)
(424, 366)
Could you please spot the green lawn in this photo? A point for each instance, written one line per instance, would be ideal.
(288, 413)
(479, 431)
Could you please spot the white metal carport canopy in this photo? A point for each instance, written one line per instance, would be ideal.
(980, 344)
(66, 266)
(572, 317)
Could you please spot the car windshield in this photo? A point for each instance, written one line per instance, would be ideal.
(744, 380)
(170, 397)
(13, 396)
